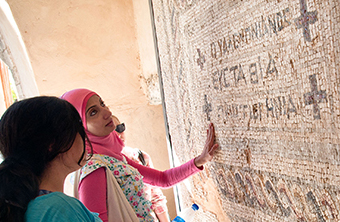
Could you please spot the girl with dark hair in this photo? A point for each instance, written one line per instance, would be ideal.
(42, 140)
(111, 183)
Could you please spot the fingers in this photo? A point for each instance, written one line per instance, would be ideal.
(212, 146)
(211, 133)
(213, 149)
(210, 129)
(210, 141)
(209, 148)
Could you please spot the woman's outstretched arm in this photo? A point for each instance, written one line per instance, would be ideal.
(169, 178)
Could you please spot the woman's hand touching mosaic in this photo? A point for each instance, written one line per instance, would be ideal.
(209, 148)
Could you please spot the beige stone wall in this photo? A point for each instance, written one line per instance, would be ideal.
(93, 44)
(266, 73)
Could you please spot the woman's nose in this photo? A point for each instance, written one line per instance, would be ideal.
(107, 113)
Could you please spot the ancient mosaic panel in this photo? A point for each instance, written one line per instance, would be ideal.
(266, 73)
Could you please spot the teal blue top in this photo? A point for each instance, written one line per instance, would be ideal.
(57, 206)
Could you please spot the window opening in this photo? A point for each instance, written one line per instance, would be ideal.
(8, 86)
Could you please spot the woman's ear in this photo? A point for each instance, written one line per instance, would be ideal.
(50, 148)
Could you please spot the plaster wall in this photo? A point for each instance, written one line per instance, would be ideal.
(94, 44)
(13, 53)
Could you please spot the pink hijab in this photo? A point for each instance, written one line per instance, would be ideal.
(111, 144)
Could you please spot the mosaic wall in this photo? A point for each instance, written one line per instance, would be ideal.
(266, 73)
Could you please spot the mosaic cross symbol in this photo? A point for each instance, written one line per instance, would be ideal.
(207, 107)
(305, 19)
(201, 59)
(315, 97)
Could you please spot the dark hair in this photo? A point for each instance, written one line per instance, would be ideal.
(32, 133)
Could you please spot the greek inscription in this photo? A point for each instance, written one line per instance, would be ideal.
(254, 79)
(255, 112)
(271, 67)
(239, 75)
(275, 108)
(272, 24)
(223, 79)
(241, 111)
(219, 79)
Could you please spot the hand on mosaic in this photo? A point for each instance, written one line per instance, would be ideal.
(209, 148)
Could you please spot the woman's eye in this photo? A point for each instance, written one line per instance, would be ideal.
(93, 112)
(102, 104)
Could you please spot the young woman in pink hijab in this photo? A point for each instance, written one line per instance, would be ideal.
(111, 184)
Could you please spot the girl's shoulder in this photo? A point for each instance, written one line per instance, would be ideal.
(57, 206)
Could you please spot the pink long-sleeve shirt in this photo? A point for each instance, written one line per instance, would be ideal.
(92, 189)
